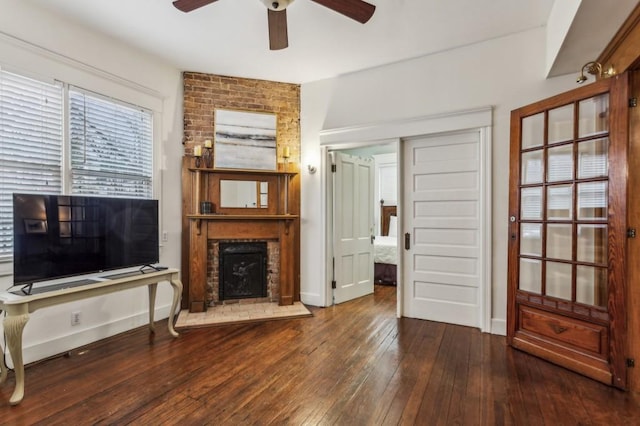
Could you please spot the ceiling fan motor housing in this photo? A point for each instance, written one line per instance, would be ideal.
(277, 5)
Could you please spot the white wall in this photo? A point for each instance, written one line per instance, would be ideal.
(504, 73)
(46, 46)
(558, 26)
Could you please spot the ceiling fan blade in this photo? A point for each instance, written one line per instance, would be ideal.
(358, 10)
(278, 38)
(189, 5)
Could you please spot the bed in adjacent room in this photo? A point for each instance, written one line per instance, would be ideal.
(386, 247)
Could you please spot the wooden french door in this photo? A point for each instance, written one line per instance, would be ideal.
(567, 231)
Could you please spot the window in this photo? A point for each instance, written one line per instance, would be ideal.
(30, 145)
(109, 145)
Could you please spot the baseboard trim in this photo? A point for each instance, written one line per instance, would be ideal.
(499, 327)
(62, 344)
(311, 299)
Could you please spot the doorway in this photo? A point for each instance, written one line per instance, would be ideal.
(397, 132)
(360, 177)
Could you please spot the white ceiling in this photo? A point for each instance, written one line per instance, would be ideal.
(230, 37)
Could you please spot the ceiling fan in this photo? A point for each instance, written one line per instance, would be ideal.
(357, 10)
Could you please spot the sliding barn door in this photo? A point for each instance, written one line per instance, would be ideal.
(443, 259)
(567, 230)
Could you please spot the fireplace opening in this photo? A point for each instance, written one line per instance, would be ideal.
(243, 270)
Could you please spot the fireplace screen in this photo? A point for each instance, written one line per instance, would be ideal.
(243, 270)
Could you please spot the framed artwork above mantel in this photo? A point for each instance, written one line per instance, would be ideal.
(245, 140)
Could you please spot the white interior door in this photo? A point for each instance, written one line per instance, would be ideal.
(442, 267)
(353, 226)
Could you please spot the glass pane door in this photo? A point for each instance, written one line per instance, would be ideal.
(567, 228)
(563, 198)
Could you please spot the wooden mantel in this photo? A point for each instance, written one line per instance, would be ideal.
(199, 218)
(279, 222)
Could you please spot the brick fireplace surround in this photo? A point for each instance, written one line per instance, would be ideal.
(213, 273)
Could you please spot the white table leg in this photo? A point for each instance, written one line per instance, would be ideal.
(177, 294)
(13, 328)
(3, 370)
(152, 305)
(3, 367)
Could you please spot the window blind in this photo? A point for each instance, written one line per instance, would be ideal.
(111, 147)
(30, 145)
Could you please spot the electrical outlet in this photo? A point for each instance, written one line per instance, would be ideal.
(75, 318)
(165, 236)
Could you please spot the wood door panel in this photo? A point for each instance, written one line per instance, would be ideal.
(590, 366)
(573, 333)
(576, 310)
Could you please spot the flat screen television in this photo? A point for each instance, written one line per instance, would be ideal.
(57, 236)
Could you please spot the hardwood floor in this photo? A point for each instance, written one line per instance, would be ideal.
(352, 364)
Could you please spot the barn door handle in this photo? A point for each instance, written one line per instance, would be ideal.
(407, 241)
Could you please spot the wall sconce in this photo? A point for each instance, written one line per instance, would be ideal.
(594, 68)
(312, 169)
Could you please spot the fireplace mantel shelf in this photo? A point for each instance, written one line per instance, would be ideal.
(286, 218)
(243, 216)
(244, 171)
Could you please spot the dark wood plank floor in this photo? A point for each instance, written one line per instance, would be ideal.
(352, 364)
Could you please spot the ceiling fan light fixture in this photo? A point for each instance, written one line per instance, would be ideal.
(277, 5)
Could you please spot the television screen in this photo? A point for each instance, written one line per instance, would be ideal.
(56, 236)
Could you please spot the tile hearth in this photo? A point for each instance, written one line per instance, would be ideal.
(238, 313)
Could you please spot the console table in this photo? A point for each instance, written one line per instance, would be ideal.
(18, 308)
